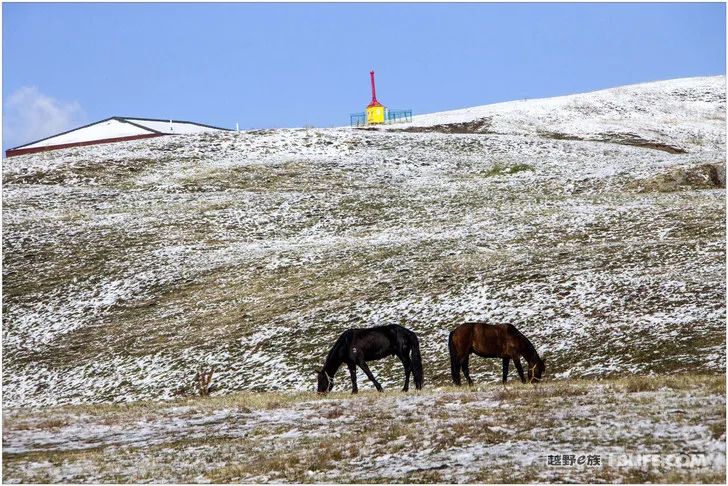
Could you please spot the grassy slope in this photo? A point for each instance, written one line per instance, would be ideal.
(444, 435)
(127, 285)
(127, 266)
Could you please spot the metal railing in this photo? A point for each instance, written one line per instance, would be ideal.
(390, 116)
(358, 119)
(398, 116)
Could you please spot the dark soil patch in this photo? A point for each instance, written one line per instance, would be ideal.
(634, 140)
(480, 126)
(618, 138)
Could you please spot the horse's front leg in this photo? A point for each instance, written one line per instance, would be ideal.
(352, 373)
(367, 371)
(505, 369)
(519, 368)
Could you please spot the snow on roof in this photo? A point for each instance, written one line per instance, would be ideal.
(105, 129)
(172, 126)
(119, 128)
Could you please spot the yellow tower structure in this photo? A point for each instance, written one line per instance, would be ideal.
(375, 110)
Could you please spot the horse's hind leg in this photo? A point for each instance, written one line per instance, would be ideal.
(407, 370)
(367, 371)
(455, 370)
(466, 370)
(505, 369)
(352, 373)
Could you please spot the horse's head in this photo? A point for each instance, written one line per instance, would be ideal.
(536, 370)
(325, 382)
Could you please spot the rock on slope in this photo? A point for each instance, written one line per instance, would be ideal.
(128, 266)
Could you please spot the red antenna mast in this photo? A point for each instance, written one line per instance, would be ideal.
(374, 91)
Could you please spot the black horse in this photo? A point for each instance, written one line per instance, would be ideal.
(357, 346)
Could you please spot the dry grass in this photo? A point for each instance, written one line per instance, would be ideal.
(636, 383)
(339, 437)
(53, 417)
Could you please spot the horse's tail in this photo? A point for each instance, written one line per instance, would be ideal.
(416, 359)
(454, 364)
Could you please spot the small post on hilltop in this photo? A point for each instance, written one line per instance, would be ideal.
(376, 113)
(374, 89)
(375, 110)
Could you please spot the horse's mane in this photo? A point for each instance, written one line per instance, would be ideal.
(532, 353)
(339, 342)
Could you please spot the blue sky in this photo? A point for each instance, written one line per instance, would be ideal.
(284, 65)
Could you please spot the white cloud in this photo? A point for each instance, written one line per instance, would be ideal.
(29, 115)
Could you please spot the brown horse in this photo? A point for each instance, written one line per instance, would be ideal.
(492, 341)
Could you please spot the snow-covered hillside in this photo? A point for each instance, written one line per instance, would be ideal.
(594, 223)
(680, 112)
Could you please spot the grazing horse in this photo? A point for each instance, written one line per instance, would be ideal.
(492, 341)
(357, 346)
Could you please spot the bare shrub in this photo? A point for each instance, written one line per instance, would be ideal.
(202, 381)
